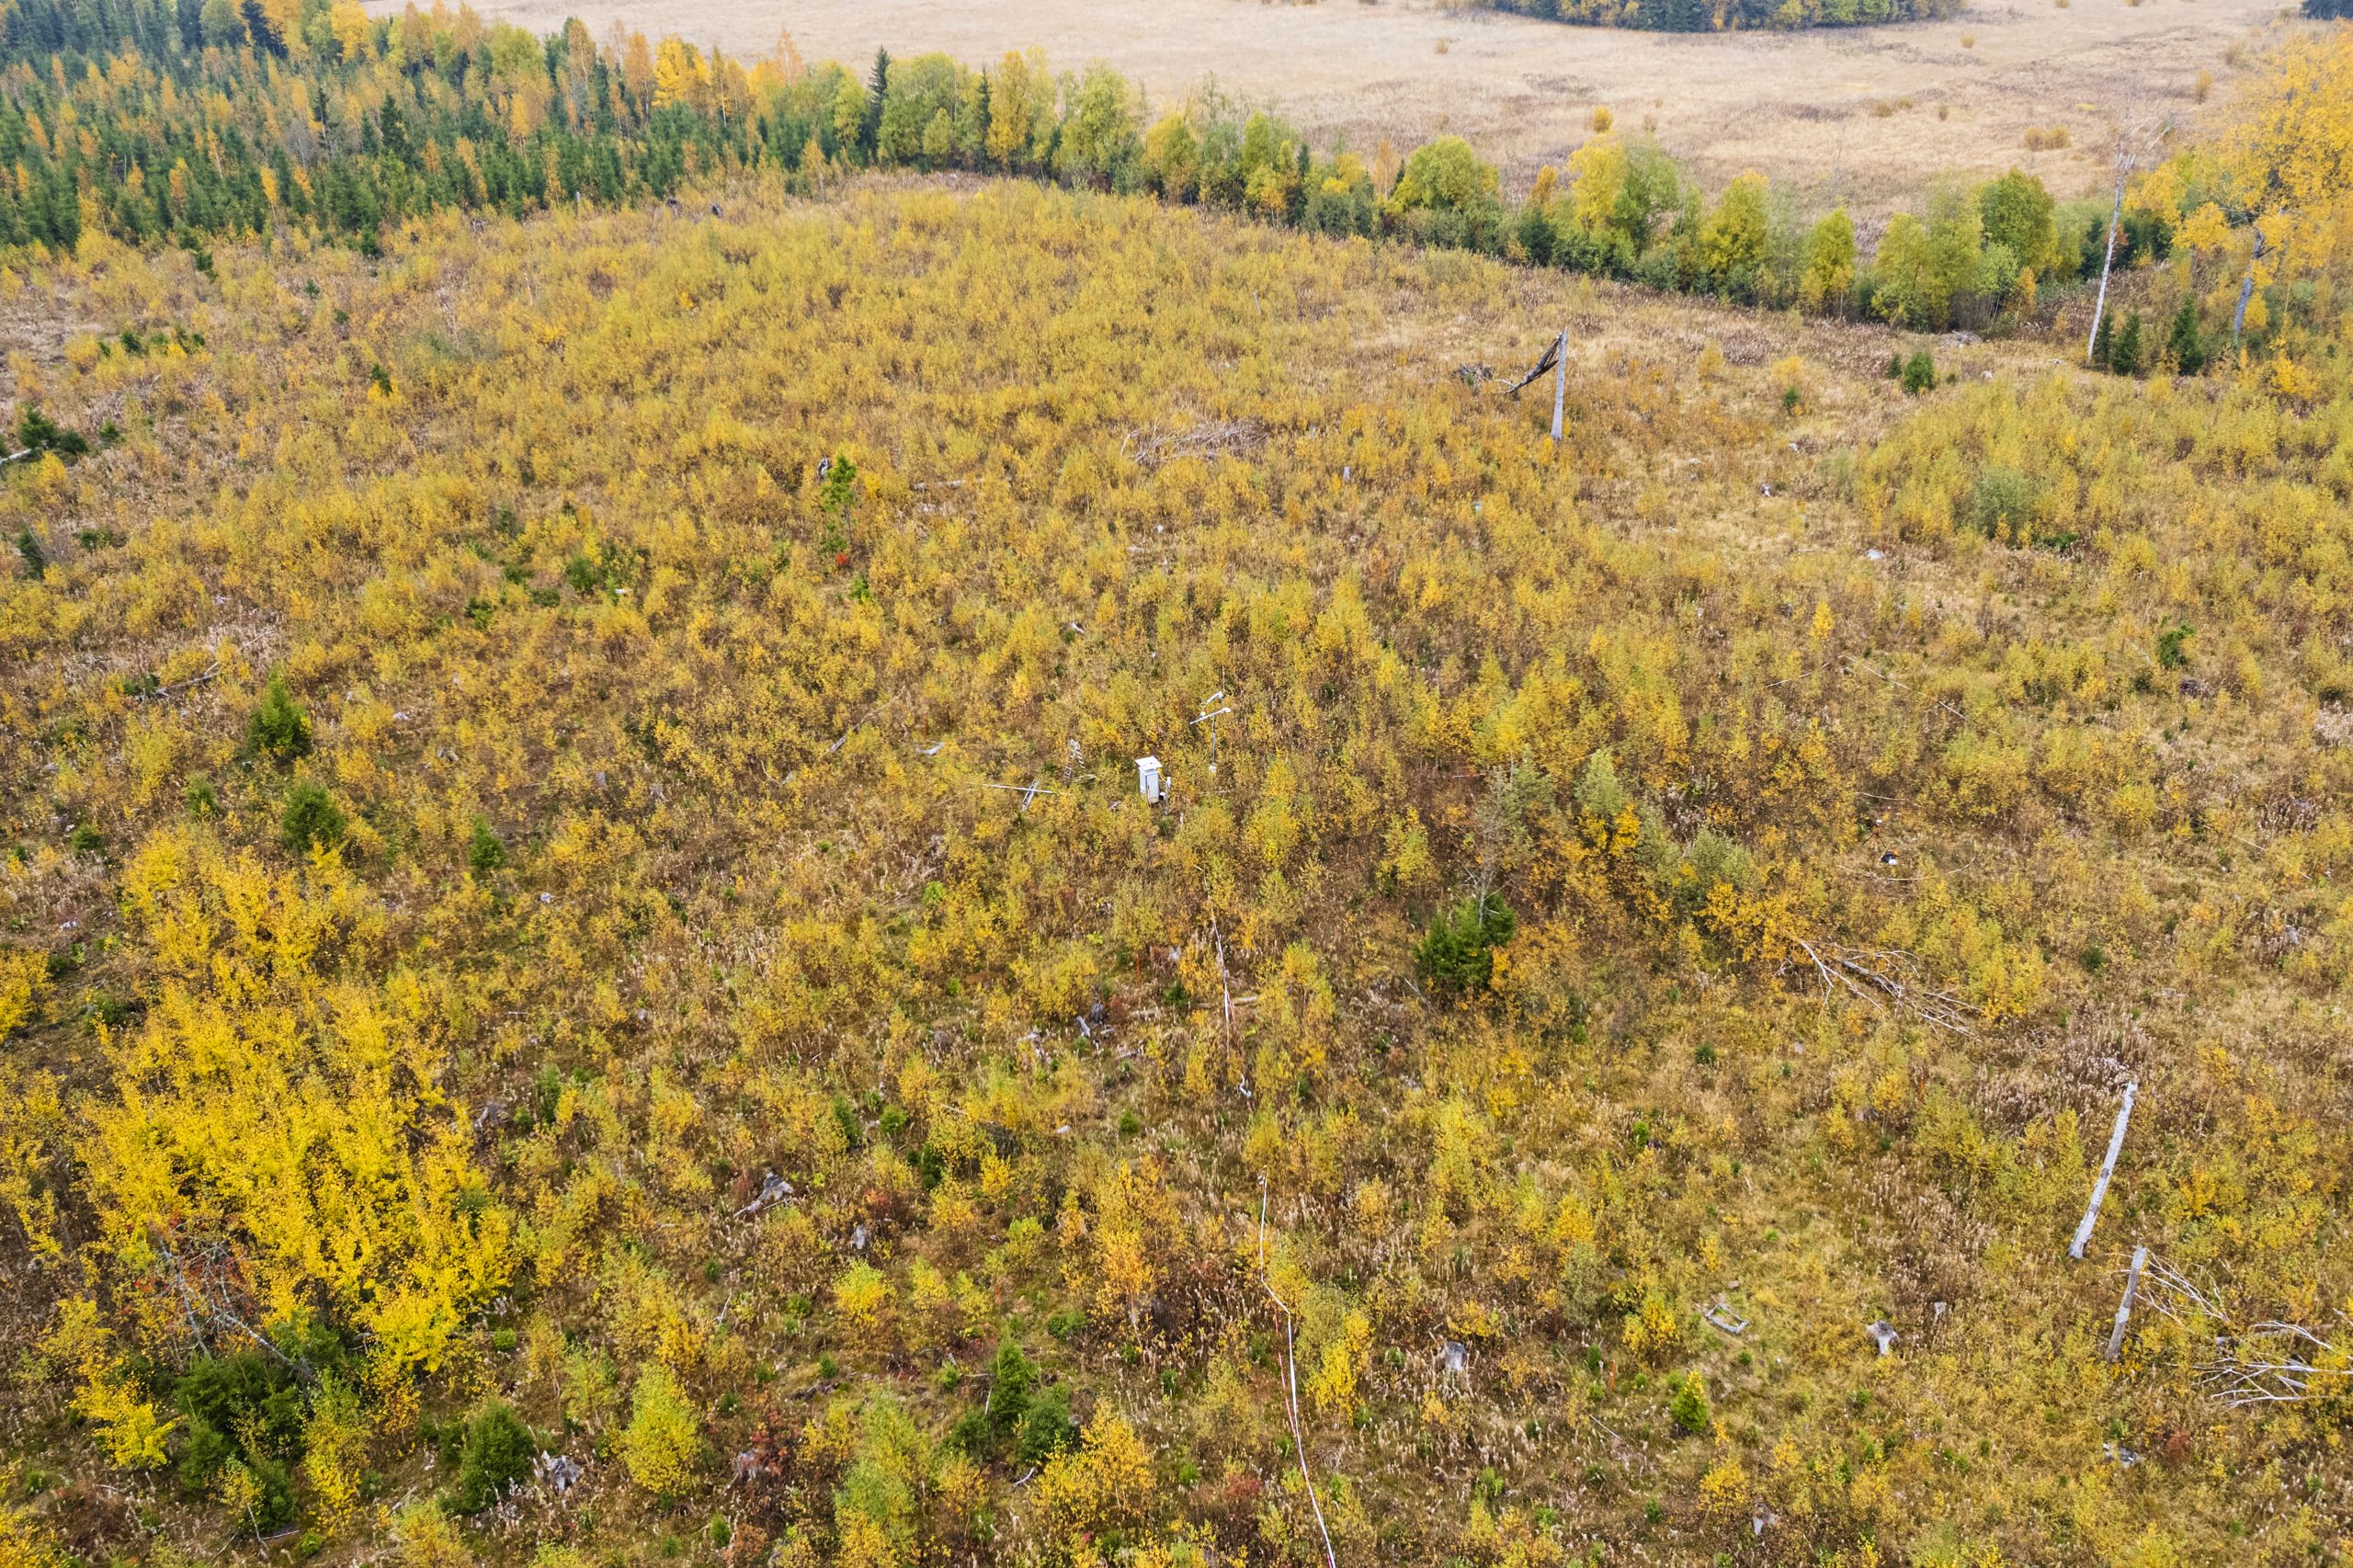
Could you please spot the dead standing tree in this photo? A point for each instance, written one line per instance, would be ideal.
(2136, 147)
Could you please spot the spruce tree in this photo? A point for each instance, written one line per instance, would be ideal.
(2104, 343)
(1536, 234)
(2125, 358)
(870, 131)
(2185, 346)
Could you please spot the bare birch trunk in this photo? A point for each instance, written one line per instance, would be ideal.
(2115, 216)
(2134, 144)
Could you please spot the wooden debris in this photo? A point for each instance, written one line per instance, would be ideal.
(200, 678)
(1883, 1334)
(1224, 438)
(1871, 976)
(774, 1189)
(1559, 383)
(558, 1472)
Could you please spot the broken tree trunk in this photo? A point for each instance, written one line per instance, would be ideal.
(1544, 361)
(2107, 1170)
(2124, 1308)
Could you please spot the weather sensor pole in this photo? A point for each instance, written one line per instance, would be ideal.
(1207, 716)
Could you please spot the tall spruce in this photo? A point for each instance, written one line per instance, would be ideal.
(878, 88)
(2184, 346)
(2124, 355)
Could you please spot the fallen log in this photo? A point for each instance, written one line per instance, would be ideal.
(2107, 1170)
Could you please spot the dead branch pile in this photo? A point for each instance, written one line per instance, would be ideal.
(1223, 437)
(2264, 1362)
(1880, 976)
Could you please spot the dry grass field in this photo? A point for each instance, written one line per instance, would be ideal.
(1864, 114)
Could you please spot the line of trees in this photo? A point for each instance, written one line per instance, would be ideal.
(1730, 15)
(1623, 208)
(182, 119)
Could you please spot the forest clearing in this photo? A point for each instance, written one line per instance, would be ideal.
(591, 974)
